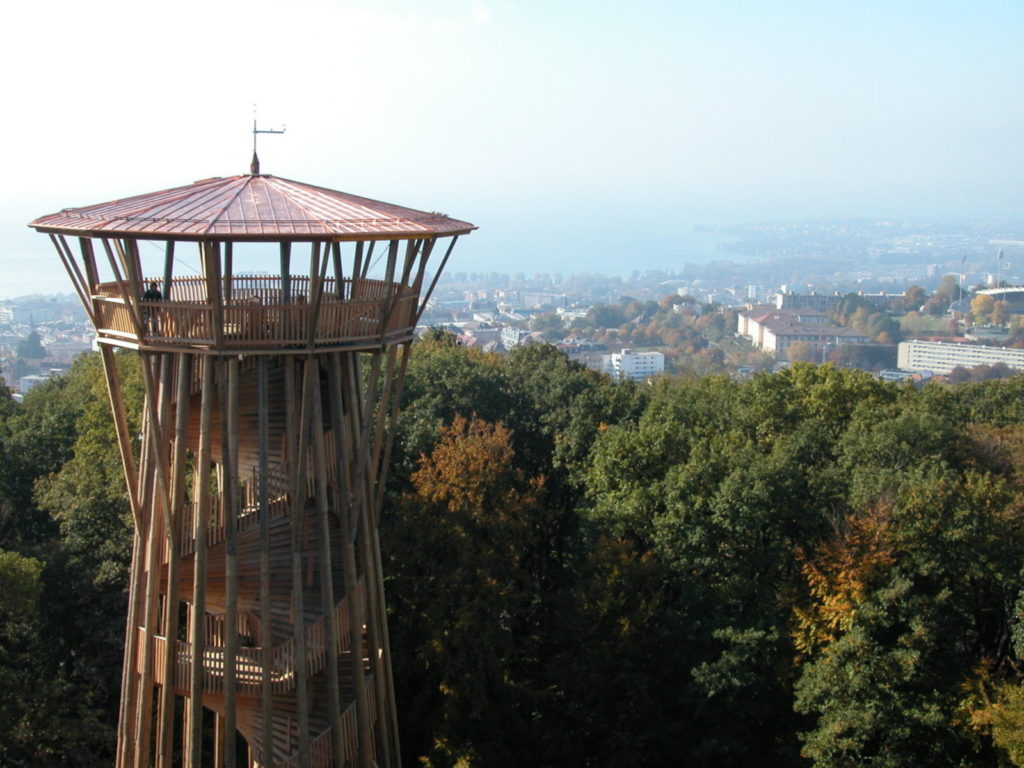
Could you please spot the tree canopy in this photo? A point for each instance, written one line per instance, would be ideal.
(808, 568)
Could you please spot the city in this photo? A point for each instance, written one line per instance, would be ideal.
(793, 277)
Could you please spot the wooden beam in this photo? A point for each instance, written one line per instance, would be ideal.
(89, 263)
(228, 271)
(126, 709)
(396, 404)
(165, 732)
(428, 248)
(159, 505)
(127, 292)
(211, 271)
(433, 283)
(124, 440)
(286, 273)
(71, 266)
(339, 274)
(368, 261)
(357, 261)
(341, 382)
(397, 292)
(374, 469)
(266, 635)
(229, 458)
(201, 527)
(168, 270)
(316, 278)
(326, 576)
(298, 483)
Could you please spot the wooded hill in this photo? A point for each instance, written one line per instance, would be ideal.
(811, 568)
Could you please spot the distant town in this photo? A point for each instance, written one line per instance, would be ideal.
(903, 299)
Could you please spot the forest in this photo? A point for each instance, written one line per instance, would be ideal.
(806, 568)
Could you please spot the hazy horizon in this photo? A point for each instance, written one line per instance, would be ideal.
(585, 138)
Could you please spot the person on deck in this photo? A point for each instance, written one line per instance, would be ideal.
(152, 293)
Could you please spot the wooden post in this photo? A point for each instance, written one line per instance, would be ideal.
(71, 266)
(433, 283)
(286, 273)
(266, 635)
(339, 275)
(128, 669)
(358, 613)
(128, 672)
(152, 451)
(229, 287)
(201, 531)
(298, 517)
(211, 271)
(357, 261)
(230, 464)
(127, 292)
(165, 733)
(367, 262)
(168, 270)
(326, 576)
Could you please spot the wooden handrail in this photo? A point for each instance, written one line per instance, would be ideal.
(249, 661)
(354, 311)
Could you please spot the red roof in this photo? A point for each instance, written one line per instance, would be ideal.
(259, 207)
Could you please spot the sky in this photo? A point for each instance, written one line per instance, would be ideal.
(579, 136)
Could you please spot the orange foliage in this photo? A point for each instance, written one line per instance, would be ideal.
(839, 574)
(471, 475)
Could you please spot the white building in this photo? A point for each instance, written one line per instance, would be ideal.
(512, 337)
(775, 331)
(943, 356)
(637, 366)
(26, 383)
(822, 302)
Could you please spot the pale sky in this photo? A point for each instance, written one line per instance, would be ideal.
(576, 135)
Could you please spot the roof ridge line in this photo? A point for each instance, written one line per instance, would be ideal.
(241, 186)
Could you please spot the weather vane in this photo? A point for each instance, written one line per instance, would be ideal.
(254, 166)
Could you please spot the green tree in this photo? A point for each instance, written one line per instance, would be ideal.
(463, 578)
(68, 510)
(19, 612)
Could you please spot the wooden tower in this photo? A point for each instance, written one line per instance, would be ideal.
(256, 600)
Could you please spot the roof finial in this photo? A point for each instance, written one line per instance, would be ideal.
(254, 165)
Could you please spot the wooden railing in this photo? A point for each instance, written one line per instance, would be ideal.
(215, 626)
(320, 748)
(258, 312)
(278, 493)
(249, 661)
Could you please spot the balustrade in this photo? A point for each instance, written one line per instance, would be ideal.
(257, 313)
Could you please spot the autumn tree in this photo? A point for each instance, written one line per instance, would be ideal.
(982, 307)
(463, 581)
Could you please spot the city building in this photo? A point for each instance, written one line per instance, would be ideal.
(26, 383)
(822, 302)
(637, 366)
(775, 331)
(942, 357)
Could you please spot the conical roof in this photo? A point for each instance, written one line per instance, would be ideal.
(250, 207)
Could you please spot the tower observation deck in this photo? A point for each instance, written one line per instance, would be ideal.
(256, 603)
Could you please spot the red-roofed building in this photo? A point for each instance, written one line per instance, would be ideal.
(775, 331)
